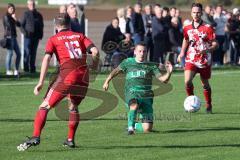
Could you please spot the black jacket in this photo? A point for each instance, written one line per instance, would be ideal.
(175, 36)
(9, 25)
(32, 24)
(112, 34)
(138, 24)
(160, 34)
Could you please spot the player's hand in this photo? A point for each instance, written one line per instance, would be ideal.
(105, 86)
(38, 88)
(169, 67)
(179, 58)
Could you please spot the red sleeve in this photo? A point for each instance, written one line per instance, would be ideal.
(50, 48)
(185, 33)
(211, 34)
(87, 42)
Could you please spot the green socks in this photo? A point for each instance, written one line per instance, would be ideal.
(132, 118)
(139, 127)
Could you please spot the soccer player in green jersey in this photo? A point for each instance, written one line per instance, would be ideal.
(138, 88)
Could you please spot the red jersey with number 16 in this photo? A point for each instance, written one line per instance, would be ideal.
(199, 39)
(69, 47)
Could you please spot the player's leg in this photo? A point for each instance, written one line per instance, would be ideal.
(73, 121)
(189, 74)
(145, 124)
(205, 75)
(132, 114)
(51, 99)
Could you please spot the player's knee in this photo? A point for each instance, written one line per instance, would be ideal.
(133, 105)
(147, 127)
(44, 105)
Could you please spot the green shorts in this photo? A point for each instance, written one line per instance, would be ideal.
(145, 109)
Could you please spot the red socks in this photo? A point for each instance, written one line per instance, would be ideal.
(39, 121)
(207, 94)
(189, 90)
(74, 118)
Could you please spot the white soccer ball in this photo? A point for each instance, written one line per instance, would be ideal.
(192, 104)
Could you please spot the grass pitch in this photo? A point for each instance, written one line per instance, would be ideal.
(178, 135)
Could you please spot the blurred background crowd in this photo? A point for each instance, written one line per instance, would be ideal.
(160, 27)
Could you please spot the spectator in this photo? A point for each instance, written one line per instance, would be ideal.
(234, 37)
(207, 17)
(159, 36)
(147, 20)
(180, 23)
(112, 33)
(175, 37)
(172, 11)
(122, 20)
(9, 24)
(32, 28)
(129, 24)
(63, 9)
(72, 12)
(81, 18)
(138, 25)
(166, 16)
(221, 21)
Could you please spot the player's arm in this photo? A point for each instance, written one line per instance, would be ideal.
(44, 69)
(183, 50)
(165, 77)
(113, 74)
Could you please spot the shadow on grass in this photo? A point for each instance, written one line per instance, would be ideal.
(22, 120)
(31, 120)
(202, 130)
(113, 147)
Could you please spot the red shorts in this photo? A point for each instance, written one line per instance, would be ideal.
(205, 73)
(73, 85)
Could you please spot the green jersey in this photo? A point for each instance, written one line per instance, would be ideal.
(139, 77)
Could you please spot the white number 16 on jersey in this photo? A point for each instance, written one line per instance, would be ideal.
(74, 50)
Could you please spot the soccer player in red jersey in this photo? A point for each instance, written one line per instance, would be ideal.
(198, 44)
(70, 49)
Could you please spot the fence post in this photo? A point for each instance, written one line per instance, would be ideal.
(22, 51)
(86, 27)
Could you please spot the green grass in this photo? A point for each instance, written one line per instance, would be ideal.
(177, 136)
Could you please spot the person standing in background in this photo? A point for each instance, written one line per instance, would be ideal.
(138, 25)
(81, 18)
(63, 9)
(72, 12)
(221, 22)
(207, 17)
(122, 20)
(147, 20)
(32, 28)
(9, 24)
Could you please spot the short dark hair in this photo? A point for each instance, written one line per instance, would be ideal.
(166, 9)
(199, 5)
(141, 43)
(62, 19)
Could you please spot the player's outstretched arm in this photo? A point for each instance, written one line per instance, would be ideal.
(114, 73)
(169, 68)
(44, 69)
